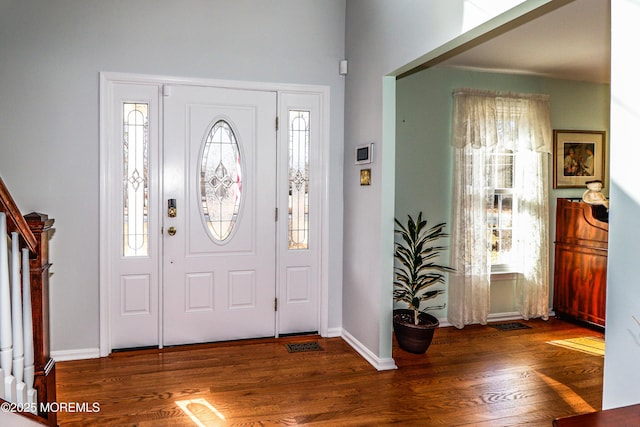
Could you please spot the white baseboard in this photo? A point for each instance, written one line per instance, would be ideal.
(514, 315)
(375, 361)
(444, 323)
(500, 317)
(334, 332)
(76, 354)
(496, 317)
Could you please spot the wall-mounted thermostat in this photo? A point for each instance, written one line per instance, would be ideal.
(364, 154)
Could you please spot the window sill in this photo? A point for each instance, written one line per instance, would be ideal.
(504, 273)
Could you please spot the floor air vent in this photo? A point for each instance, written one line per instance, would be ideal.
(511, 326)
(303, 346)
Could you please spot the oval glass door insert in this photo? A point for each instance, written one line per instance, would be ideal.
(220, 181)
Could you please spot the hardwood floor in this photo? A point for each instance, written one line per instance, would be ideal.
(477, 376)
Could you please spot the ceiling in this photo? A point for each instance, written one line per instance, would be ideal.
(571, 42)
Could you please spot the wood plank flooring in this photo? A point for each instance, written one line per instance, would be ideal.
(477, 376)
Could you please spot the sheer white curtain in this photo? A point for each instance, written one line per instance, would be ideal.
(482, 122)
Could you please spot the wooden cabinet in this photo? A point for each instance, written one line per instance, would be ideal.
(619, 417)
(580, 271)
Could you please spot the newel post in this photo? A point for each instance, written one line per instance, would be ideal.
(45, 372)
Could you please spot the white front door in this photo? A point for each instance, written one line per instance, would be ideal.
(219, 248)
(210, 225)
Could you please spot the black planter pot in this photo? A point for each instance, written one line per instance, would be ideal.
(414, 338)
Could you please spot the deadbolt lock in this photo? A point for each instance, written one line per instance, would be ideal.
(171, 231)
(172, 210)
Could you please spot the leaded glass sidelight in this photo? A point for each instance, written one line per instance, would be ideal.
(299, 179)
(135, 146)
(220, 181)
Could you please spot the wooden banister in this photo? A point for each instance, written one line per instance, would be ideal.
(15, 221)
(35, 230)
(41, 227)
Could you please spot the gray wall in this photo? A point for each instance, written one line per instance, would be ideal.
(424, 156)
(381, 37)
(51, 53)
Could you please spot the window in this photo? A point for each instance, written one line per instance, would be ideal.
(220, 181)
(500, 223)
(500, 206)
(298, 179)
(135, 147)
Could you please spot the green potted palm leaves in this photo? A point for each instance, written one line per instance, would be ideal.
(416, 274)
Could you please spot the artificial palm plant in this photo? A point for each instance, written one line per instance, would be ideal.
(416, 270)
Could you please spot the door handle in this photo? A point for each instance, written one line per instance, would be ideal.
(171, 231)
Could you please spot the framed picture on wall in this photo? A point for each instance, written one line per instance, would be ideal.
(578, 157)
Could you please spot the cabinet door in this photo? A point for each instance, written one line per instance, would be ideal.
(580, 282)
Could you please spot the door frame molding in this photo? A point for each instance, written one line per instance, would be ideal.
(107, 80)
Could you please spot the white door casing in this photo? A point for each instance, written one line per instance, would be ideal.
(134, 310)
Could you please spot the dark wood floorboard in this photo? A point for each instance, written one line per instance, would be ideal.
(477, 376)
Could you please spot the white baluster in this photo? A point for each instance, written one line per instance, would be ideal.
(6, 353)
(16, 319)
(27, 325)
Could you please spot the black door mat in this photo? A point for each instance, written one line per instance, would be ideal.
(303, 346)
(511, 326)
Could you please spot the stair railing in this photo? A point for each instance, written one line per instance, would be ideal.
(27, 372)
